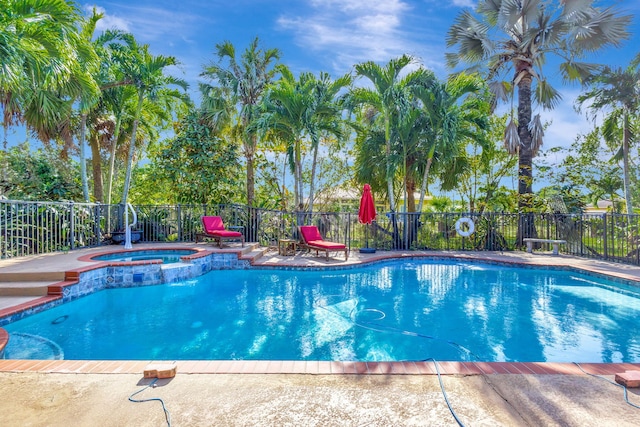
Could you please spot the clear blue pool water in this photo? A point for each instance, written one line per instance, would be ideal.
(404, 310)
(167, 256)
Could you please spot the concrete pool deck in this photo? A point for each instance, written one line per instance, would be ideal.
(309, 393)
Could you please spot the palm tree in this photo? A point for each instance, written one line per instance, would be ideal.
(36, 51)
(244, 80)
(326, 118)
(456, 112)
(50, 64)
(288, 110)
(89, 66)
(115, 48)
(617, 90)
(513, 39)
(386, 106)
(145, 72)
(300, 113)
(388, 99)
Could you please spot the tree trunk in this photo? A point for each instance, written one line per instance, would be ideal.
(411, 222)
(132, 149)
(96, 166)
(298, 176)
(389, 174)
(112, 158)
(313, 176)
(83, 158)
(625, 163)
(410, 188)
(526, 226)
(423, 186)
(396, 243)
(249, 151)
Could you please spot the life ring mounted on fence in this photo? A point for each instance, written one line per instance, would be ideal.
(471, 227)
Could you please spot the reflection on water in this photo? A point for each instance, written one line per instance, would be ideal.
(409, 310)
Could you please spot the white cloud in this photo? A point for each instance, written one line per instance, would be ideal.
(464, 3)
(565, 123)
(359, 6)
(353, 31)
(149, 24)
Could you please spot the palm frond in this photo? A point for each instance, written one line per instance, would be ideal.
(599, 28)
(511, 138)
(580, 71)
(546, 95)
(575, 10)
(501, 90)
(471, 36)
(537, 134)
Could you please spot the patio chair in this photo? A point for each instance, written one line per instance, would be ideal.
(214, 228)
(312, 240)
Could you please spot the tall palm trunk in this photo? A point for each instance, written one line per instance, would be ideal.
(112, 158)
(387, 142)
(313, 175)
(249, 152)
(412, 218)
(626, 137)
(526, 226)
(425, 178)
(397, 244)
(298, 175)
(83, 157)
(96, 168)
(132, 148)
(410, 187)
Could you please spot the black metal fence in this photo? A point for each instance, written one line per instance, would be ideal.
(29, 228)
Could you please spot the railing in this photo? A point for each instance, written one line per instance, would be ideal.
(29, 228)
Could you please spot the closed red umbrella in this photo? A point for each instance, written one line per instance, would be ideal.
(367, 214)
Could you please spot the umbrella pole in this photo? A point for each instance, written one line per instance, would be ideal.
(366, 235)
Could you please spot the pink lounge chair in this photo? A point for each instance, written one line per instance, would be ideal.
(214, 228)
(312, 240)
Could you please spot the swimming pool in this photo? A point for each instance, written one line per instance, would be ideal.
(401, 310)
(167, 256)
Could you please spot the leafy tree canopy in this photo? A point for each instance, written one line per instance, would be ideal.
(38, 175)
(199, 166)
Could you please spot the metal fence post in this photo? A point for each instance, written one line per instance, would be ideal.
(446, 229)
(348, 231)
(179, 213)
(72, 226)
(604, 237)
(96, 221)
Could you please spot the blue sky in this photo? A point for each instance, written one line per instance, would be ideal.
(327, 35)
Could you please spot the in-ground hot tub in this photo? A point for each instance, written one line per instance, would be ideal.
(167, 256)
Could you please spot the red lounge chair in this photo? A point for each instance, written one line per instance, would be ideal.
(214, 228)
(312, 240)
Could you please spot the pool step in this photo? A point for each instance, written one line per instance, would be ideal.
(254, 254)
(37, 276)
(24, 288)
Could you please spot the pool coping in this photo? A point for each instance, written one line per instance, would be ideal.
(316, 367)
